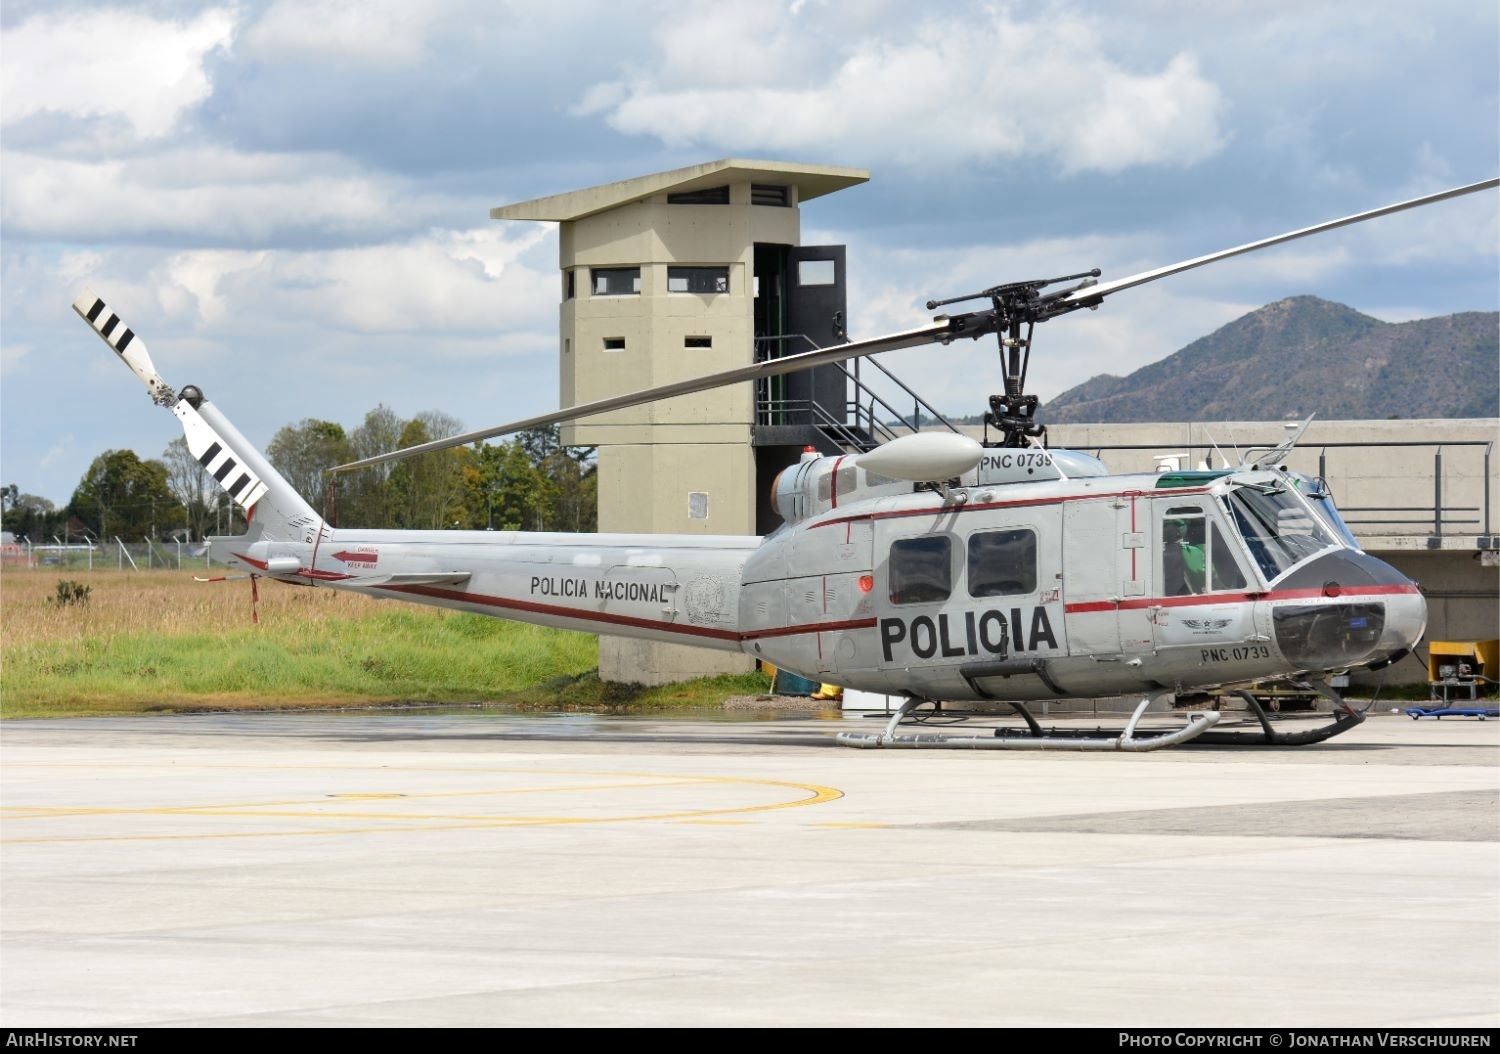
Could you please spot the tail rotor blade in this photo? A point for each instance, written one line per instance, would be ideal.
(123, 341)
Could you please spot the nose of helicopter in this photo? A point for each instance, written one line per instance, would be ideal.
(1405, 620)
(1364, 611)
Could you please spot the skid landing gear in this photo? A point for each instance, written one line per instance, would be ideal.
(1345, 717)
(1033, 736)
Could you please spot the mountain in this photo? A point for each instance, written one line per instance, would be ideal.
(1302, 356)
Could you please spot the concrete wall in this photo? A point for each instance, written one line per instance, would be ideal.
(1463, 603)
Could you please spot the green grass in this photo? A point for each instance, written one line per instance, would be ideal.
(157, 642)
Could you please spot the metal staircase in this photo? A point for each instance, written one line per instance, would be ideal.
(865, 420)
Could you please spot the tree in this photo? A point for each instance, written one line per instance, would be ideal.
(428, 490)
(192, 486)
(122, 496)
(540, 443)
(574, 490)
(303, 453)
(572, 485)
(364, 498)
(29, 516)
(505, 488)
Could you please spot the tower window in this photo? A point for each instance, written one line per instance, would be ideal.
(617, 281)
(697, 342)
(570, 284)
(816, 272)
(768, 194)
(614, 343)
(697, 279)
(704, 196)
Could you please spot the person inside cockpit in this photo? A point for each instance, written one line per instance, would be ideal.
(1181, 560)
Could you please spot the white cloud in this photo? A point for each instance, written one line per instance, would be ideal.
(346, 32)
(991, 86)
(59, 451)
(111, 62)
(11, 356)
(1140, 115)
(189, 282)
(210, 195)
(443, 284)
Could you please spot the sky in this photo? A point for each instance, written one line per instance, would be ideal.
(288, 200)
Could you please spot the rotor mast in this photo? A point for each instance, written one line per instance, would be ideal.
(1017, 305)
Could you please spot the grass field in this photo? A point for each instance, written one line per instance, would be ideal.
(158, 641)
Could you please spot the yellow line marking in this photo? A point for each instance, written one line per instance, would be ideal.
(287, 767)
(33, 812)
(407, 822)
(717, 823)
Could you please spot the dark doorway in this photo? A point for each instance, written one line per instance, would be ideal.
(817, 307)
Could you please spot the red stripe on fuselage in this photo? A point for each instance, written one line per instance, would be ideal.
(507, 603)
(510, 604)
(817, 627)
(656, 625)
(1233, 598)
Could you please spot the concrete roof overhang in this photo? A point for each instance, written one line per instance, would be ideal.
(812, 181)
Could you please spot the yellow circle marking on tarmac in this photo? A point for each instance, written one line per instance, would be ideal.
(22, 812)
(815, 794)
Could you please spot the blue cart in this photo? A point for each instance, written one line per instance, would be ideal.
(1440, 712)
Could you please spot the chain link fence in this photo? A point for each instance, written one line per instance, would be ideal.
(115, 554)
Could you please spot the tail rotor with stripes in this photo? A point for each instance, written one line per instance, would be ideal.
(125, 343)
(244, 474)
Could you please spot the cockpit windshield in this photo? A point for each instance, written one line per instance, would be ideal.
(1316, 492)
(1279, 529)
(1324, 504)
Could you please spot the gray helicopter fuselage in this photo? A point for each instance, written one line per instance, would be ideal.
(1002, 586)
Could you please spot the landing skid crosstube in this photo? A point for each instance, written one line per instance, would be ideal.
(1199, 727)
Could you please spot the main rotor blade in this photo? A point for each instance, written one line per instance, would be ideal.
(939, 329)
(1103, 289)
(942, 329)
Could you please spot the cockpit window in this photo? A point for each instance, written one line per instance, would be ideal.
(1278, 528)
(1194, 556)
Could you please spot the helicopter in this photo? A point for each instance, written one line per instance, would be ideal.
(935, 568)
